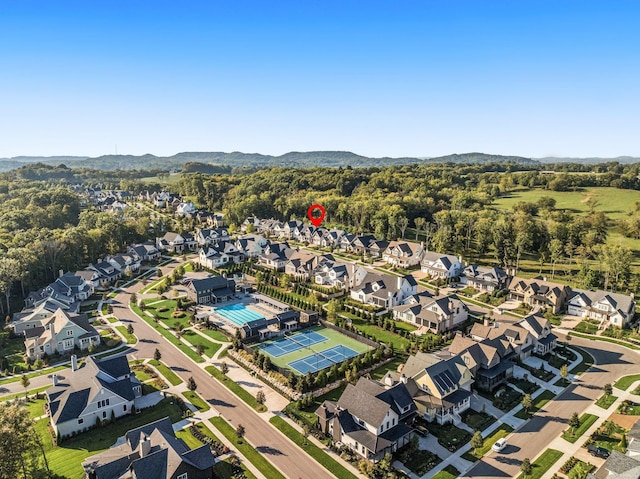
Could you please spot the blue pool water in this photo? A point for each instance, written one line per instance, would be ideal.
(238, 313)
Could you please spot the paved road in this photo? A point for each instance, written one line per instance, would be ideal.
(535, 435)
(280, 451)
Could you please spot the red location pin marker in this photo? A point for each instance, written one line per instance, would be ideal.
(316, 220)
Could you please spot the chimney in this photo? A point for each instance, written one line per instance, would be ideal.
(60, 273)
(403, 378)
(145, 446)
(486, 322)
(55, 379)
(544, 278)
(74, 362)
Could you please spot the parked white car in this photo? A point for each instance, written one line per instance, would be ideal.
(499, 445)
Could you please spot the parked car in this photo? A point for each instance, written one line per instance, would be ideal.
(499, 445)
(598, 451)
(421, 430)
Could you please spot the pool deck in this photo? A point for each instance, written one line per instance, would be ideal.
(245, 299)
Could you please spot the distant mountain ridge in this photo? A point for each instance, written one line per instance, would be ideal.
(236, 159)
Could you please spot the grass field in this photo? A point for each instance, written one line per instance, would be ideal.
(334, 338)
(131, 339)
(503, 431)
(538, 403)
(586, 420)
(448, 472)
(216, 335)
(67, 458)
(605, 401)
(541, 465)
(195, 399)
(166, 372)
(235, 388)
(194, 338)
(253, 456)
(625, 382)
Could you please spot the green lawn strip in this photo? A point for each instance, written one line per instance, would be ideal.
(544, 462)
(381, 371)
(66, 459)
(329, 463)
(586, 363)
(605, 401)
(605, 339)
(169, 335)
(503, 431)
(170, 376)
(235, 388)
(188, 438)
(111, 319)
(448, 472)
(141, 375)
(195, 399)
(586, 421)
(214, 334)
(538, 403)
(194, 338)
(248, 451)
(110, 353)
(31, 392)
(625, 382)
(224, 470)
(131, 339)
(36, 374)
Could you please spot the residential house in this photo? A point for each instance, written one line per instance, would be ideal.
(360, 244)
(209, 236)
(152, 450)
(522, 341)
(334, 274)
(276, 256)
(439, 265)
(377, 248)
(434, 315)
(441, 389)
(100, 390)
(380, 289)
(332, 238)
(540, 328)
(251, 225)
(60, 333)
(212, 258)
(608, 308)
(346, 242)
(176, 243)
(251, 245)
(488, 360)
(617, 466)
(369, 418)
(71, 285)
(291, 228)
(484, 278)
(633, 444)
(145, 251)
(302, 263)
(319, 235)
(214, 289)
(184, 209)
(305, 233)
(539, 292)
(108, 273)
(402, 254)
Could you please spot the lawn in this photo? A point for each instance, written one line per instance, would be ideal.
(166, 372)
(449, 436)
(168, 334)
(328, 462)
(503, 431)
(605, 401)
(195, 399)
(611, 441)
(380, 334)
(629, 408)
(110, 353)
(215, 334)
(392, 365)
(625, 382)
(587, 326)
(42, 372)
(538, 403)
(21, 394)
(66, 459)
(544, 462)
(606, 340)
(586, 363)
(586, 420)
(131, 339)
(235, 388)
(448, 472)
(253, 456)
(477, 421)
(194, 338)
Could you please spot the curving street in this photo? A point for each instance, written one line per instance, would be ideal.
(536, 434)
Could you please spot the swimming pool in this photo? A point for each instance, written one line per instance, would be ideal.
(238, 313)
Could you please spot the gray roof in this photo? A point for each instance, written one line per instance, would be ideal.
(620, 465)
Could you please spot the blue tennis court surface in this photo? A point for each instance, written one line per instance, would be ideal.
(324, 359)
(292, 343)
(238, 313)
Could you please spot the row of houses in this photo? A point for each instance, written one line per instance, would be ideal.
(373, 418)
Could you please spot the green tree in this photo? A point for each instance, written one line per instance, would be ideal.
(240, 432)
(224, 367)
(608, 389)
(24, 380)
(191, 384)
(526, 468)
(157, 355)
(564, 372)
(476, 441)
(260, 397)
(574, 422)
(130, 328)
(526, 402)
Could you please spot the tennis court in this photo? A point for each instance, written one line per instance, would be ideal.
(323, 359)
(312, 349)
(289, 344)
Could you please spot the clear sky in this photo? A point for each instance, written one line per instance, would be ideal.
(391, 78)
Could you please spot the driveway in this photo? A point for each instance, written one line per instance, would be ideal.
(533, 437)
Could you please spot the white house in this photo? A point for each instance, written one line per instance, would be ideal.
(380, 289)
(616, 309)
(439, 265)
(98, 391)
(212, 258)
(403, 254)
(436, 315)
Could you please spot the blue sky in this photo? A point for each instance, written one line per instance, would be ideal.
(393, 78)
